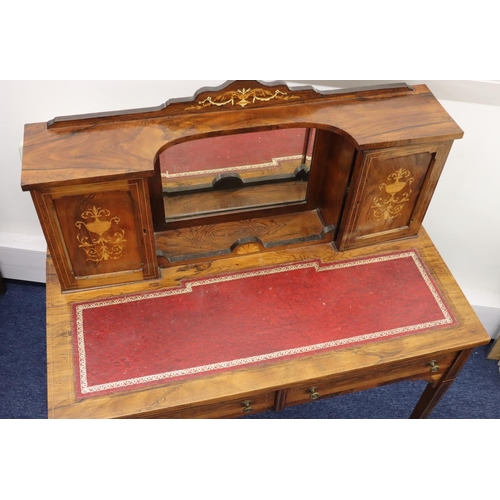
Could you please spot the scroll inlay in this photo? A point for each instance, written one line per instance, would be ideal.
(389, 204)
(105, 246)
(242, 98)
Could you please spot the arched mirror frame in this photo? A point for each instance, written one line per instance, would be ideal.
(328, 145)
(315, 219)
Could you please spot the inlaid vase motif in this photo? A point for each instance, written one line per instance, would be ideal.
(106, 244)
(393, 197)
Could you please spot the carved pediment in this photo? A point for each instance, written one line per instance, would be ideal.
(234, 95)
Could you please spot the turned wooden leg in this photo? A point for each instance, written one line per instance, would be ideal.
(434, 392)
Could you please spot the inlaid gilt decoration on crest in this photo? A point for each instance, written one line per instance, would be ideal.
(107, 244)
(243, 97)
(394, 195)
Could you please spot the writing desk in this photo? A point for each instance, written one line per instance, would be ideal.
(433, 355)
(143, 201)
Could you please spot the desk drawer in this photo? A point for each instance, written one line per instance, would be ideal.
(430, 369)
(228, 409)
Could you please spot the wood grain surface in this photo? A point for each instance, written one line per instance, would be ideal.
(377, 157)
(82, 151)
(345, 370)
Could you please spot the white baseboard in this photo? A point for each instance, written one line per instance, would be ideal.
(490, 318)
(23, 258)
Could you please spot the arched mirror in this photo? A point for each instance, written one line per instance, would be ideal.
(236, 172)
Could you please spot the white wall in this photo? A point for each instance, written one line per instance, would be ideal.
(463, 218)
(22, 245)
(24, 102)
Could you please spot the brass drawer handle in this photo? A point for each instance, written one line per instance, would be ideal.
(247, 406)
(434, 366)
(314, 393)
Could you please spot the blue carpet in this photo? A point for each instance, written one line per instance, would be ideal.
(23, 376)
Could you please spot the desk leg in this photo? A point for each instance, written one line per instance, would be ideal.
(433, 392)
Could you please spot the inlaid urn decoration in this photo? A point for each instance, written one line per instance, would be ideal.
(103, 243)
(393, 197)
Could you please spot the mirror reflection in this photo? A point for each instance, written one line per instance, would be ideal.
(234, 172)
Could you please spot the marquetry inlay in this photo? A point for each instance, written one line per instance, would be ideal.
(243, 97)
(393, 196)
(107, 244)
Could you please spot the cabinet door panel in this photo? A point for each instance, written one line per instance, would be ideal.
(391, 189)
(390, 193)
(99, 232)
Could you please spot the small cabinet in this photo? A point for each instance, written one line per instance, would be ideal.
(390, 193)
(99, 233)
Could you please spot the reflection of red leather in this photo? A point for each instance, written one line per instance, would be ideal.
(230, 323)
(233, 150)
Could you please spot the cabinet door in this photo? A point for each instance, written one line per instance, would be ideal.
(99, 234)
(390, 193)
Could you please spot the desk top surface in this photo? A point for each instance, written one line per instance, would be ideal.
(467, 332)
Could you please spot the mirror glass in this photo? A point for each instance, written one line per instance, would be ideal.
(236, 172)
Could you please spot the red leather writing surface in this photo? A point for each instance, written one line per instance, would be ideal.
(232, 321)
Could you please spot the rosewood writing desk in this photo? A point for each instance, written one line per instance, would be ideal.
(250, 248)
